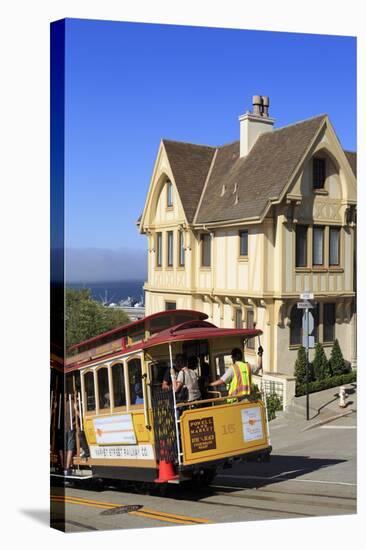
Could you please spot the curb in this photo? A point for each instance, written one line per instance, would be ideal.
(330, 419)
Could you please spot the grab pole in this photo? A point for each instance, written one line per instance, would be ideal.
(263, 389)
(59, 413)
(80, 412)
(71, 418)
(175, 405)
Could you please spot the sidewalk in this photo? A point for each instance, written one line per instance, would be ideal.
(323, 406)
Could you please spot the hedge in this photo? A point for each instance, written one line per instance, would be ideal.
(332, 382)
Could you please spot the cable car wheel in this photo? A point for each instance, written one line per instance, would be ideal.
(204, 476)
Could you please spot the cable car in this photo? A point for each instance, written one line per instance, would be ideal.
(127, 427)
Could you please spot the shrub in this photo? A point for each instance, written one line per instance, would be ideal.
(300, 366)
(326, 383)
(336, 361)
(273, 404)
(321, 367)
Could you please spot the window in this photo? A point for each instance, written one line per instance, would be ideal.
(206, 250)
(296, 332)
(318, 173)
(250, 324)
(334, 241)
(181, 249)
(135, 380)
(296, 326)
(103, 388)
(169, 194)
(119, 390)
(89, 391)
(318, 245)
(243, 235)
(301, 246)
(170, 305)
(170, 248)
(238, 318)
(159, 249)
(328, 322)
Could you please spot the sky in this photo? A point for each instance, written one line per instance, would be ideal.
(127, 85)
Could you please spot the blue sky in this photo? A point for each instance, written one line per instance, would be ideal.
(129, 84)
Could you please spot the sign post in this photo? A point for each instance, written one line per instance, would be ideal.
(307, 339)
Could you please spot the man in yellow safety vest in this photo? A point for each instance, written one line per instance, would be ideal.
(238, 376)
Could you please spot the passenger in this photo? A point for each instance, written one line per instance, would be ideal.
(237, 377)
(139, 396)
(188, 378)
(69, 439)
(167, 379)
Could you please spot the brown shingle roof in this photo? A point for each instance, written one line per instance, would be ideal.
(352, 159)
(190, 164)
(262, 175)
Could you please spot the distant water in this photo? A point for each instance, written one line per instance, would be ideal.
(112, 291)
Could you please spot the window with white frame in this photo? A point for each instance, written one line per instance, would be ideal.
(206, 250)
(159, 249)
(334, 246)
(169, 194)
(181, 251)
(170, 248)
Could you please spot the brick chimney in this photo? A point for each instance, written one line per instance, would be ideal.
(252, 125)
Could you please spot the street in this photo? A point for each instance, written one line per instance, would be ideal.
(312, 473)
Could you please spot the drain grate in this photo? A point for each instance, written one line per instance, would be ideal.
(122, 509)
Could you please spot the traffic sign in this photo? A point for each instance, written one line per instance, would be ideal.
(305, 305)
(307, 295)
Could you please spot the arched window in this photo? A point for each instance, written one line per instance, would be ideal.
(119, 389)
(135, 380)
(103, 388)
(89, 391)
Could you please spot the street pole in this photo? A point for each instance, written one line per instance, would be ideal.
(307, 362)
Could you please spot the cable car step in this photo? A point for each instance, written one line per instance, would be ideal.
(72, 476)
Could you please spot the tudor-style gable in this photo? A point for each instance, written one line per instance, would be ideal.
(324, 186)
(162, 205)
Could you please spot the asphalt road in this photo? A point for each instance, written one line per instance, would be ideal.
(311, 473)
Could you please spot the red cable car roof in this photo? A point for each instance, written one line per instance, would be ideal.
(135, 324)
(197, 330)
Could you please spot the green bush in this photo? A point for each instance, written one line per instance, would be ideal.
(331, 382)
(300, 366)
(274, 404)
(321, 367)
(336, 361)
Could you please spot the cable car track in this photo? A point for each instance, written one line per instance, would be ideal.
(144, 512)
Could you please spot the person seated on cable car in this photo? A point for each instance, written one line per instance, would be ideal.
(187, 377)
(139, 396)
(239, 376)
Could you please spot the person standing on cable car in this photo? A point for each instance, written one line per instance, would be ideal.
(239, 376)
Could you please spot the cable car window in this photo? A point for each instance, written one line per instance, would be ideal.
(89, 391)
(135, 380)
(103, 388)
(158, 370)
(119, 390)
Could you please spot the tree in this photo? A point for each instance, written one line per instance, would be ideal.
(336, 361)
(321, 364)
(300, 366)
(86, 317)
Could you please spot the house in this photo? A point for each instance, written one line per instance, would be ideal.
(239, 231)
